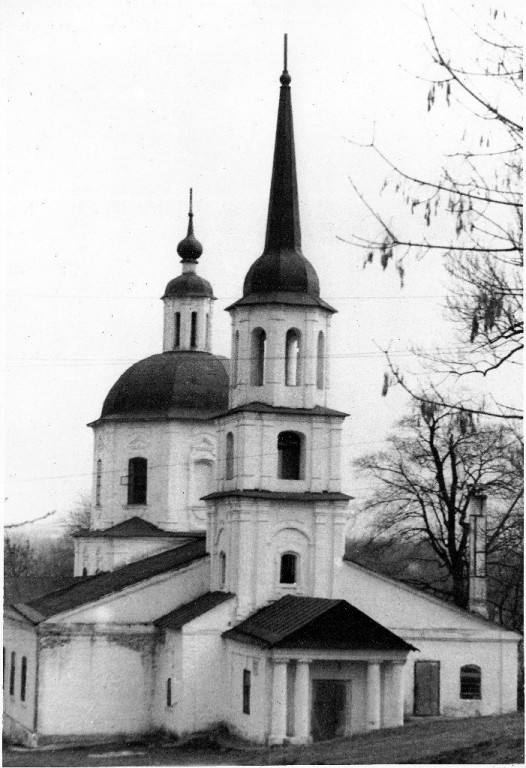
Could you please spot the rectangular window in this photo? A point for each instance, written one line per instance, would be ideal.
(169, 692)
(23, 679)
(98, 482)
(177, 334)
(193, 331)
(12, 675)
(246, 691)
(3, 669)
(137, 480)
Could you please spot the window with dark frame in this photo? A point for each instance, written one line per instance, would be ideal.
(23, 678)
(169, 692)
(257, 371)
(177, 331)
(193, 331)
(289, 455)
(12, 675)
(292, 358)
(98, 482)
(137, 480)
(470, 682)
(320, 362)
(287, 571)
(246, 691)
(222, 569)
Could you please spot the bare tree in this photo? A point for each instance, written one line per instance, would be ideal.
(471, 213)
(422, 484)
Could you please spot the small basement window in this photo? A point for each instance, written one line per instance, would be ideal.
(246, 691)
(470, 682)
(287, 571)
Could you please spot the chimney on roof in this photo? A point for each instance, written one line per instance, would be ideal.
(478, 602)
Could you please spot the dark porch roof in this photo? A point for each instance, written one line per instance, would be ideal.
(185, 613)
(316, 623)
(93, 588)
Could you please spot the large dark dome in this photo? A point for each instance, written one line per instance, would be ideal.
(189, 284)
(282, 271)
(170, 385)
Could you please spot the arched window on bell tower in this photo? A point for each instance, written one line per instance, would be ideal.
(320, 361)
(292, 357)
(229, 473)
(235, 371)
(257, 372)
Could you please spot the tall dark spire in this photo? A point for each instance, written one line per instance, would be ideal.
(283, 222)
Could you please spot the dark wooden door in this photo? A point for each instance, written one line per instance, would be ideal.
(328, 709)
(427, 688)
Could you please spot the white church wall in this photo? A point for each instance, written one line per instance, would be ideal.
(204, 668)
(276, 321)
(254, 534)
(441, 633)
(255, 724)
(147, 601)
(95, 682)
(256, 452)
(20, 639)
(168, 666)
(105, 554)
(498, 663)
(178, 453)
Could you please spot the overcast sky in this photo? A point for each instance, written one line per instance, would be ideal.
(116, 108)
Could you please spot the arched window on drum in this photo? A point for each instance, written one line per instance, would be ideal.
(320, 361)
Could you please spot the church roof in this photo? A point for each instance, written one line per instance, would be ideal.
(93, 588)
(256, 407)
(183, 384)
(315, 622)
(185, 613)
(282, 274)
(255, 493)
(136, 527)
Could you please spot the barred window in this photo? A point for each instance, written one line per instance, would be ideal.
(470, 682)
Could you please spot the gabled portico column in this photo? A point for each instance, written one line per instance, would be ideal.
(373, 695)
(302, 703)
(278, 729)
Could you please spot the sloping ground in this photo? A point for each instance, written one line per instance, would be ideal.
(494, 740)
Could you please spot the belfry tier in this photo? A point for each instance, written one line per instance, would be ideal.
(188, 301)
(278, 478)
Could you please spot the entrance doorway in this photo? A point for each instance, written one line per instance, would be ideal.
(329, 704)
(427, 688)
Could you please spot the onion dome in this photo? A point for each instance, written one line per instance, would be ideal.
(189, 284)
(170, 385)
(282, 274)
(190, 249)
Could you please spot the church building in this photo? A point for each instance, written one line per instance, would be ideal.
(212, 586)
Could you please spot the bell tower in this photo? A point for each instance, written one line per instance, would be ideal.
(277, 519)
(188, 300)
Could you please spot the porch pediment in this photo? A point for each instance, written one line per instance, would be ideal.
(314, 623)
